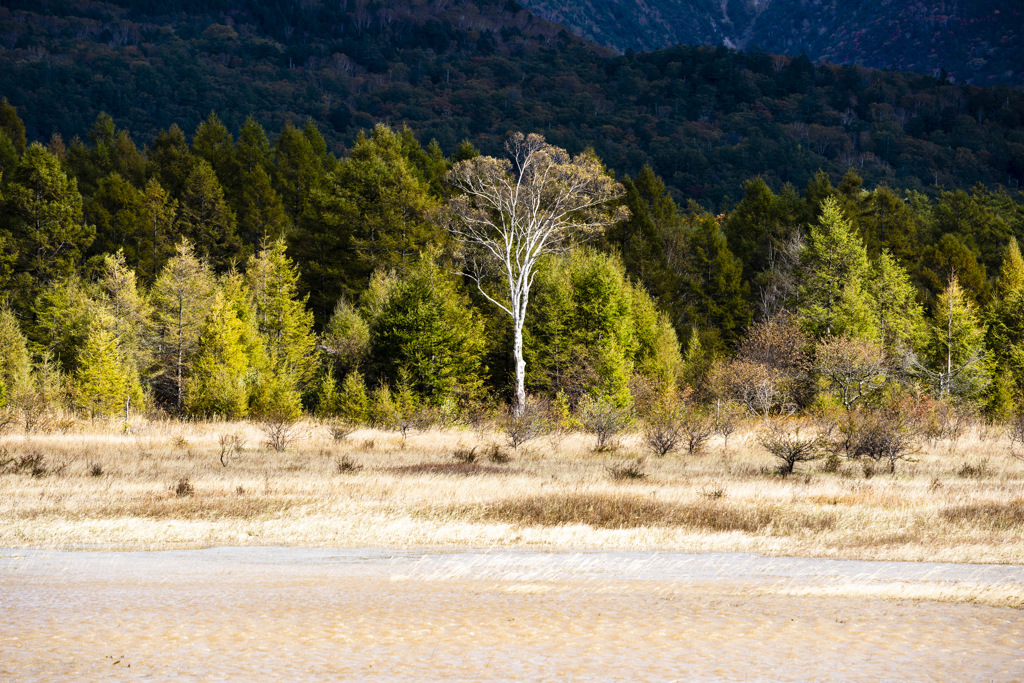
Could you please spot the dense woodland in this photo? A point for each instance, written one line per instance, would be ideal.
(246, 274)
(977, 42)
(705, 119)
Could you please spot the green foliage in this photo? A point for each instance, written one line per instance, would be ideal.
(102, 383)
(346, 339)
(833, 294)
(422, 328)
(350, 402)
(14, 358)
(281, 315)
(217, 381)
(590, 329)
(954, 352)
(42, 212)
(712, 286)
(204, 216)
(182, 296)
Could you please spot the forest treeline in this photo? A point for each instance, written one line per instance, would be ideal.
(705, 119)
(241, 275)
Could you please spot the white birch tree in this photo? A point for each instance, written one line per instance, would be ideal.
(511, 212)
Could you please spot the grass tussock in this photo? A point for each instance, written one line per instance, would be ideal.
(457, 468)
(993, 515)
(627, 511)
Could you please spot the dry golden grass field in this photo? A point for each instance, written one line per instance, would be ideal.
(163, 485)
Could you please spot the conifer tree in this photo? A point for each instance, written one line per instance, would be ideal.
(425, 332)
(217, 381)
(899, 317)
(205, 218)
(252, 149)
(346, 339)
(42, 211)
(157, 214)
(833, 297)
(181, 295)
(712, 285)
(101, 381)
(282, 318)
(213, 143)
(298, 169)
(170, 160)
(261, 216)
(127, 313)
(15, 365)
(12, 125)
(955, 357)
(1006, 320)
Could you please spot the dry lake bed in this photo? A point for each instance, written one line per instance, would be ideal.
(302, 614)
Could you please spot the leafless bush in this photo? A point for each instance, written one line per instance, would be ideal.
(697, 428)
(231, 445)
(280, 430)
(727, 420)
(498, 456)
(340, 430)
(786, 442)
(1015, 430)
(33, 464)
(95, 469)
(183, 487)
(464, 454)
(606, 421)
(663, 430)
(882, 435)
(532, 421)
(346, 465)
(627, 470)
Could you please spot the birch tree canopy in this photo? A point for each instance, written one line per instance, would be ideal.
(510, 212)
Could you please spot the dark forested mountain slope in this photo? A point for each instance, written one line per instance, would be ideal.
(705, 119)
(978, 41)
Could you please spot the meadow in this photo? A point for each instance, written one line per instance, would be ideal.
(173, 484)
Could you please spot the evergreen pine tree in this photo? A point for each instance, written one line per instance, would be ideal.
(181, 295)
(833, 298)
(424, 332)
(205, 218)
(15, 363)
(101, 381)
(217, 381)
(282, 317)
(899, 317)
(955, 355)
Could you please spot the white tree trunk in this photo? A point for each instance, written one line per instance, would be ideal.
(517, 358)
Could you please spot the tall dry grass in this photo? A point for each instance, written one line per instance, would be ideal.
(172, 484)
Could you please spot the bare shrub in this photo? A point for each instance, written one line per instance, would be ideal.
(183, 487)
(975, 470)
(346, 465)
(464, 454)
(697, 428)
(95, 469)
(280, 428)
(606, 421)
(855, 368)
(882, 435)
(531, 421)
(496, 455)
(663, 430)
(231, 445)
(340, 430)
(727, 420)
(786, 442)
(630, 470)
(33, 464)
